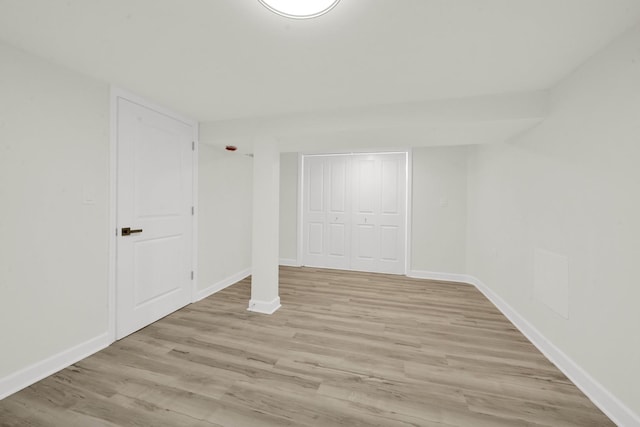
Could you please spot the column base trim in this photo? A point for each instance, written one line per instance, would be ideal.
(264, 307)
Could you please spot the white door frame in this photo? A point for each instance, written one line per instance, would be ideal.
(408, 201)
(116, 93)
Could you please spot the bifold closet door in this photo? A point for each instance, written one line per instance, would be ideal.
(326, 212)
(354, 212)
(378, 220)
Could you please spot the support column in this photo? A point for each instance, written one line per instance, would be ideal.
(266, 222)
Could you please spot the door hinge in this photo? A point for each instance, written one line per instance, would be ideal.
(192, 275)
(193, 146)
(193, 210)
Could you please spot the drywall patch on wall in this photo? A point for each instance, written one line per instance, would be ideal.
(551, 281)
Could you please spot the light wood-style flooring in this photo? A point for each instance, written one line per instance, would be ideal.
(346, 349)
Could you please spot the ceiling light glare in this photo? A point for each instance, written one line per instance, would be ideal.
(300, 9)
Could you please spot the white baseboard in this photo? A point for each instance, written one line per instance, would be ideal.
(288, 262)
(264, 307)
(619, 413)
(440, 277)
(36, 372)
(224, 283)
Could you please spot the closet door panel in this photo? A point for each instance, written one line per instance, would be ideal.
(315, 238)
(389, 243)
(390, 197)
(338, 205)
(314, 196)
(366, 195)
(392, 215)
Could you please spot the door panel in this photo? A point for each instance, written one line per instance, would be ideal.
(337, 188)
(157, 263)
(325, 208)
(380, 184)
(392, 215)
(316, 186)
(316, 238)
(157, 177)
(155, 195)
(337, 240)
(365, 189)
(313, 210)
(390, 197)
(365, 243)
(389, 238)
(393, 193)
(366, 184)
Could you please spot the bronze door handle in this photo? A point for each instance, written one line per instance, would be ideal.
(126, 231)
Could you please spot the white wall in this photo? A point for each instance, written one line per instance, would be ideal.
(288, 207)
(54, 154)
(439, 210)
(225, 212)
(571, 187)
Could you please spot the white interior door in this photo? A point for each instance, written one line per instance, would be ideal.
(354, 212)
(366, 208)
(326, 212)
(337, 213)
(313, 229)
(379, 213)
(154, 199)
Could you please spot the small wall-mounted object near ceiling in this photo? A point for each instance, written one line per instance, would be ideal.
(299, 9)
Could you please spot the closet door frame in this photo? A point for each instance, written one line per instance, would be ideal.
(408, 199)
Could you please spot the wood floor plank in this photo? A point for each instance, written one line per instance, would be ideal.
(345, 349)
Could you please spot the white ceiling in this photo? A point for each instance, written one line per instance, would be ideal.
(223, 59)
(229, 59)
(460, 121)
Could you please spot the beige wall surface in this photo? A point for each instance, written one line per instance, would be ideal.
(570, 187)
(225, 210)
(288, 206)
(54, 204)
(439, 209)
